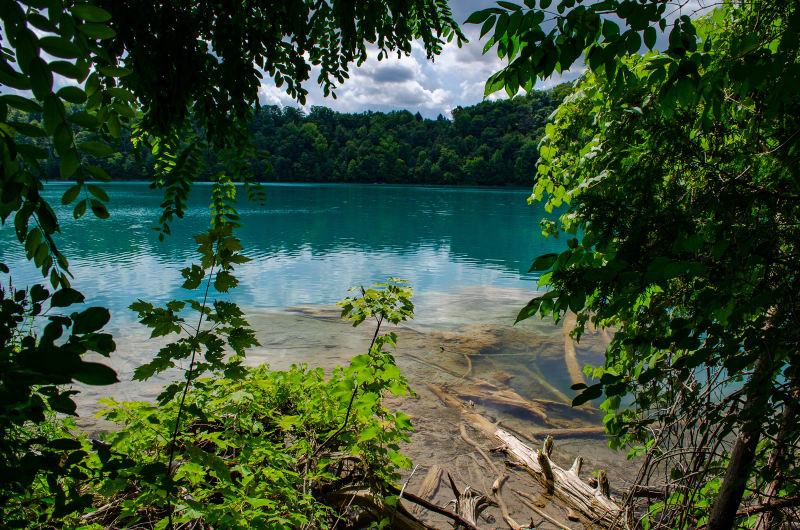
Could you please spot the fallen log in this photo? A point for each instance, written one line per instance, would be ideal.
(485, 392)
(593, 503)
(573, 432)
(573, 367)
(428, 489)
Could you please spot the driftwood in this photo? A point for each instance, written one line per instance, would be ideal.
(536, 374)
(497, 491)
(469, 503)
(480, 391)
(573, 432)
(573, 367)
(593, 503)
(524, 496)
(428, 489)
(484, 392)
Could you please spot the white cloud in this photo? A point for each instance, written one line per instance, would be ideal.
(455, 77)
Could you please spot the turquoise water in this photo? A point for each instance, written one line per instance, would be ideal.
(308, 243)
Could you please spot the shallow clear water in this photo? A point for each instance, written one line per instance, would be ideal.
(308, 243)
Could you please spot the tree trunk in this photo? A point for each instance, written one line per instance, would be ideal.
(723, 512)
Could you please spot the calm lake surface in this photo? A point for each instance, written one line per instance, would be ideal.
(308, 243)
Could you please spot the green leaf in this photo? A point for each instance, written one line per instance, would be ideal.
(32, 151)
(98, 192)
(97, 149)
(71, 194)
(543, 262)
(72, 94)
(66, 297)
(650, 37)
(90, 13)
(98, 173)
(27, 129)
(21, 103)
(41, 78)
(115, 71)
(84, 119)
(80, 209)
(592, 392)
(98, 209)
(97, 31)
(478, 16)
(529, 310)
(90, 320)
(59, 47)
(95, 374)
(225, 281)
(70, 162)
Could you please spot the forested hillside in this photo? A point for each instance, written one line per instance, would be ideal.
(494, 143)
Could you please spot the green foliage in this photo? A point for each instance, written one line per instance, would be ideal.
(42, 466)
(488, 144)
(679, 172)
(265, 449)
(247, 458)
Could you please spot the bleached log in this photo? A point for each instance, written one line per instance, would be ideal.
(593, 503)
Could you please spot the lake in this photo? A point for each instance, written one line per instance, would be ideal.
(465, 251)
(308, 243)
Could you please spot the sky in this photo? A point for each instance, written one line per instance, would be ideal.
(456, 77)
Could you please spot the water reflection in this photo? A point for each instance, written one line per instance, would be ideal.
(308, 242)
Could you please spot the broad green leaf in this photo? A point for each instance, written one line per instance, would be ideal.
(70, 162)
(543, 263)
(72, 94)
(98, 192)
(21, 103)
(97, 31)
(84, 119)
(66, 297)
(650, 37)
(41, 78)
(27, 129)
(97, 149)
(71, 194)
(98, 173)
(59, 47)
(89, 320)
(98, 209)
(91, 13)
(95, 374)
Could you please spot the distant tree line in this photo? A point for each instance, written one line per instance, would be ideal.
(493, 143)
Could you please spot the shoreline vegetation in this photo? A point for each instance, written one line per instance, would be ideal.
(493, 143)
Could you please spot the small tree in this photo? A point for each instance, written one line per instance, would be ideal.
(677, 172)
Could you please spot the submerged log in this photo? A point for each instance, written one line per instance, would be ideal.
(593, 503)
(573, 367)
(428, 489)
(485, 392)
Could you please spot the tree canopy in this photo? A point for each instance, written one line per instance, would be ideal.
(183, 77)
(678, 172)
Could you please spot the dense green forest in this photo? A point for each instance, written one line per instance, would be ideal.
(494, 143)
